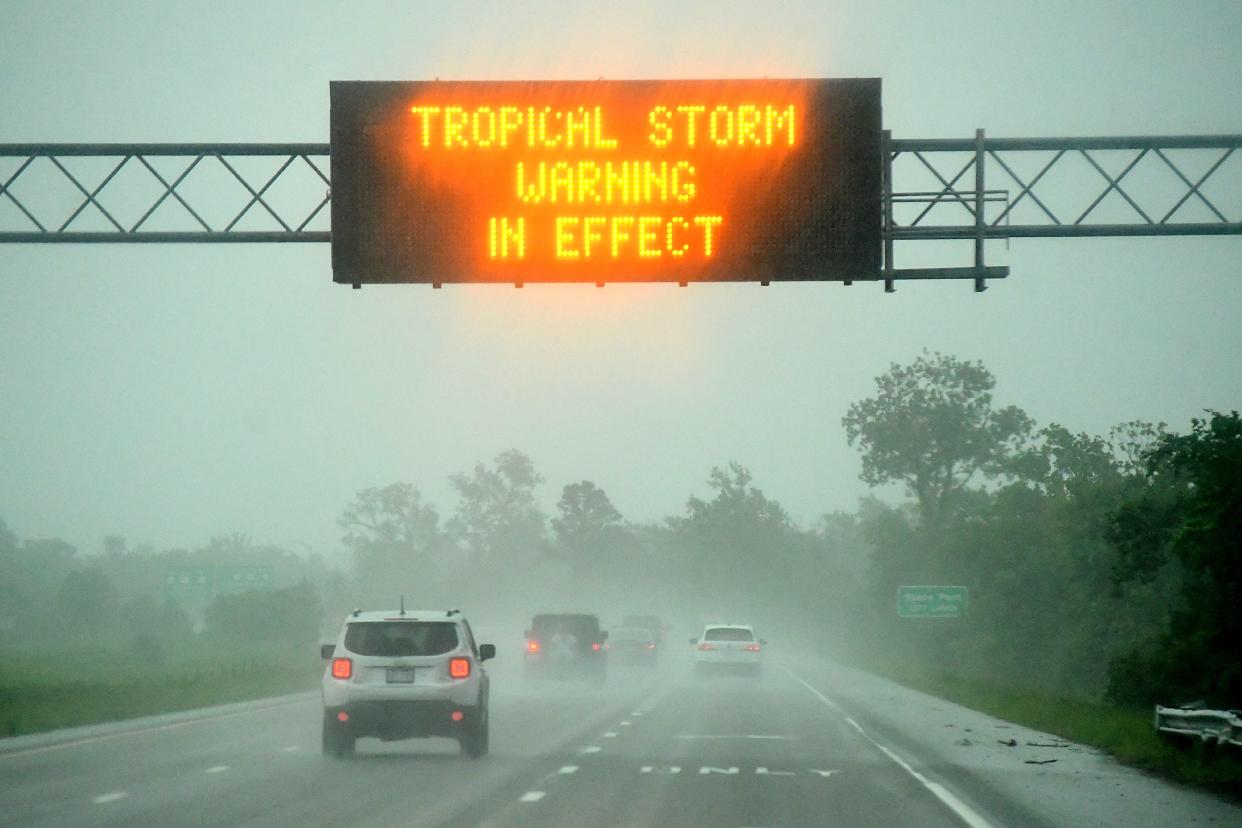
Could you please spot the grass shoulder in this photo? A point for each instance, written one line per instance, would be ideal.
(1126, 733)
(44, 690)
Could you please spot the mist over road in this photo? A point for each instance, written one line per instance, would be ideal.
(810, 743)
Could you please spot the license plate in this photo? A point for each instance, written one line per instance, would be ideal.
(400, 675)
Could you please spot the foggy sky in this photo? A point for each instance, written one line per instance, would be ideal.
(169, 393)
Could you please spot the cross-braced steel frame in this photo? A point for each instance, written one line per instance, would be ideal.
(934, 189)
(1177, 172)
(250, 194)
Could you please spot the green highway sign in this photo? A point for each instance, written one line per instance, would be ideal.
(244, 578)
(212, 580)
(192, 580)
(931, 601)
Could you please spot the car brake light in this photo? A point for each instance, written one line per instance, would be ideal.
(459, 668)
(595, 646)
(706, 647)
(532, 646)
(751, 648)
(342, 668)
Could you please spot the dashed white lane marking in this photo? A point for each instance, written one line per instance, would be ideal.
(626, 724)
(637, 713)
(762, 771)
(568, 769)
(217, 769)
(612, 734)
(758, 736)
(591, 749)
(290, 748)
(957, 806)
(532, 796)
(104, 799)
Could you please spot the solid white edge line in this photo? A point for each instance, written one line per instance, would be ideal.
(104, 799)
(145, 730)
(532, 796)
(957, 806)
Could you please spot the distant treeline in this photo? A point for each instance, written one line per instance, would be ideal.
(50, 595)
(1097, 566)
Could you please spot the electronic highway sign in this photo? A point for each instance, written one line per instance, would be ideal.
(606, 181)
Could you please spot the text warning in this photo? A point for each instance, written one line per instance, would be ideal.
(606, 181)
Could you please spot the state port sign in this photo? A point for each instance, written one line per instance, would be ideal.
(931, 601)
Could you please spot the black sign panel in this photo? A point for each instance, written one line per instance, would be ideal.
(606, 181)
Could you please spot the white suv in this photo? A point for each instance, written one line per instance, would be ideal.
(404, 674)
(728, 646)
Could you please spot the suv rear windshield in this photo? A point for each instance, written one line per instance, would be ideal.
(401, 638)
(728, 634)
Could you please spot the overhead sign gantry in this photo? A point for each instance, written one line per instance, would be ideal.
(611, 181)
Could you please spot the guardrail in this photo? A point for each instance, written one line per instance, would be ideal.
(1224, 727)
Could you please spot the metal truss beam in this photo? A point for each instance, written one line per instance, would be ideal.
(159, 193)
(935, 189)
(986, 189)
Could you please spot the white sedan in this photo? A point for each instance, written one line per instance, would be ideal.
(728, 646)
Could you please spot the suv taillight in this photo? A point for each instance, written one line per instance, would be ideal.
(342, 668)
(459, 668)
(751, 648)
(532, 646)
(706, 647)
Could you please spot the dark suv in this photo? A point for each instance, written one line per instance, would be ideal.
(650, 623)
(566, 645)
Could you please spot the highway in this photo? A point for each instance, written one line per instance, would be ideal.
(809, 744)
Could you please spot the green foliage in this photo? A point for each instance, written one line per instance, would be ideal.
(87, 603)
(728, 540)
(291, 615)
(42, 689)
(396, 541)
(932, 426)
(1190, 514)
(1032, 551)
(498, 522)
(585, 511)
(588, 533)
